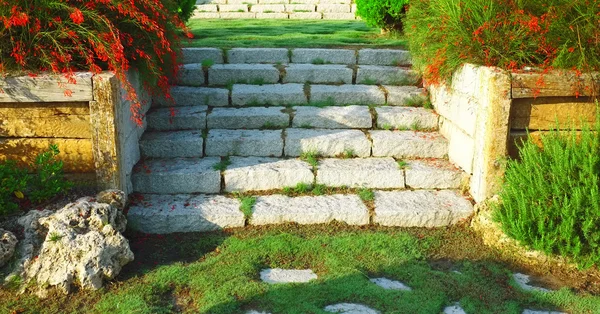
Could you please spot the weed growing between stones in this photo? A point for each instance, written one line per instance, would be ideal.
(310, 157)
(321, 104)
(369, 81)
(223, 164)
(417, 101)
(246, 205)
(207, 63)
(402, 164)
(319, 61)
(416, 126)
(367, 195)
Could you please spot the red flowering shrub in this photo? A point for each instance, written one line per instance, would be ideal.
(64, 36)
(511, 34)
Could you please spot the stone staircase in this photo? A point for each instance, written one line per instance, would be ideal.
(276, 9)
(257, 122)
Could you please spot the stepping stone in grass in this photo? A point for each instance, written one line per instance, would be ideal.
(350, 308)
(256, 312)
(454, 309)
(542, 312)
(278, 275)
(390, 284)
(522, 281)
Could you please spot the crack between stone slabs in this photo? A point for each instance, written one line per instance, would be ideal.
(307, 88)
(282, 72)
(374, 116)
(386, 93)
(354, 73)
(356, 52)
(368, 135)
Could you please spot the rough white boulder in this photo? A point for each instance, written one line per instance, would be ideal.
(8, 242)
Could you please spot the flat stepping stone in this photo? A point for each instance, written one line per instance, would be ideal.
(200, 55)
(177, 175)
(258, 55)
(388, 284)
(332, 117)
(327, 143)
(172, 144)
(276, 94)
(334, 56)
(248, 118)
(267, 143)
(185, 118)
(387, 75)
(263, 174)
(162, 214)
(307, 210)
(350, 308)
(406, 118)
(454, 309)
(223, 74)
(191, 75)
(408, 144)
(399, 95)
(433, 174)
(523, 280)
(256, 312)
(279, 276)
(377, 173)
(384, 57)
(420, 208)
(319, 74)
(542, 312)
(194, 96)
(347, 94)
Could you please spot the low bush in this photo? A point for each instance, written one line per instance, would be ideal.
(551, 196)
(64, 36)
(40, 182)
(185, 9)
(385, 14)
(546, 34)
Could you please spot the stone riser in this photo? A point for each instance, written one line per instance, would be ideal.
(162, 214)
(312, 10)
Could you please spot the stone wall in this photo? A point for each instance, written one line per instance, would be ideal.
(485, 112)
(89, 121)
(276, 9)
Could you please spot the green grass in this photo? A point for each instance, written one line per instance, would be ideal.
(222, 165)
(289, 33)
(219, 273)
(246, 204)
(366, 195)
(311, 157)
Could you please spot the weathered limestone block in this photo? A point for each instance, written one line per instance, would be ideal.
(406, 118)
(276, 16)
(233, 8)
(238, 2)
(172, 144)
(389, 284)
(408, 144)
(8, 243)
(268, 8)
(333, 8)
(399, 95)
(178, 118)
(328, 143)
(207, 8)
(334, 56)
(191, 75)
(200, 55)
(291, 8)
(459, 108)
(384, 57)
(237, 15)
(332, 117)
(420, 208)
(244, 143)
(263, 174)
(306, 16)
(433, 174)
(350, 308)
(205, 15)
(339, 16)
(278, 275)
(347, 94)
(248, 118)
(278, 209)
(223, 74)
(311, 73)
(62, 120)
(195, 96)
(378, 173)
(276, 94)
(163, 214)
(461, 147)
(177, 175)
(258, 55)
(374, 74)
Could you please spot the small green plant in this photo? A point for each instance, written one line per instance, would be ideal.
(369, 81)
(13, 185)
(366, 195)
(310, 157)
(258, 81)
(269, 126)
(223, 164)
(246, 205)
(319, 189)
(402, 164)
(321, 104)
(416, 125)
(349, 153)
(54, 237)
(229, 85)
(49, 178)
(302, 188)
(207, 63)
(387, 126)
(318, 61)
(306, 126)
(415, 101)
(385, 14)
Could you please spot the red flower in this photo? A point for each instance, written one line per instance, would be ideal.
(76, 16)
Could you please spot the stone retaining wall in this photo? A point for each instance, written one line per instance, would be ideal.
(276, 9)
(485, 112)
(89, 121)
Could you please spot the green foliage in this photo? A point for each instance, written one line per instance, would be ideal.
(40, 182)
(223, 164)
(185, 9)
(311, 157)
(366, 195)
(551, 197)
(246, 204)
(385, 14)
(444, 34)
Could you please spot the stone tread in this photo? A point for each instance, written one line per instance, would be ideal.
(327, 143)
(406, 117)
(163, 214)
(379, 173)
(248, 118)
(277, 94)
(409, 144)
(347, 94)
(177, 118)
(387, 75)
(433, 174)
(223, 74)
(194, 96)
(172, 144)
(319, 74)
(346, 117)
(267, 143)
(263, 174)
(279, 209)
(177, 175)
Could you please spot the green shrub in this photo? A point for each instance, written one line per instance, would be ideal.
(385, 14)
(42, 181)
(551, 198)
(444, 34)
(185, 9)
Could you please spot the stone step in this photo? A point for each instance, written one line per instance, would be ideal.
(386, 75)
(263, 174)
(400, 95)
(347, 94)
(333, 56)
(194, 96)
(320, 74)
(163, 214)
(248, 118)
(202, 55)
(388, 57)
(172, 144)
(347, 117)
(409, 144)
(278, 94)
(267, 143)
(177, 176)
(278, 209)
(406, 118)
(379, 173)
(421, 208)
(258, 55)
(224, 74)
(191, 75)
(177, 118)
(433, 174)
(327, 143)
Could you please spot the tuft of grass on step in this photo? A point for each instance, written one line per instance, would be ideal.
(416, 125)
(348, 154)
(246, 205)
(367, 195)
(322, 104)
(223, 164)
(418, 101)
(369, 81)
(402, 164)
(311, 157)
(207, 63)
(319, 61)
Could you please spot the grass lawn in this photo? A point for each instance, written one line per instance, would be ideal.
(219, 273)
(289, 34)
